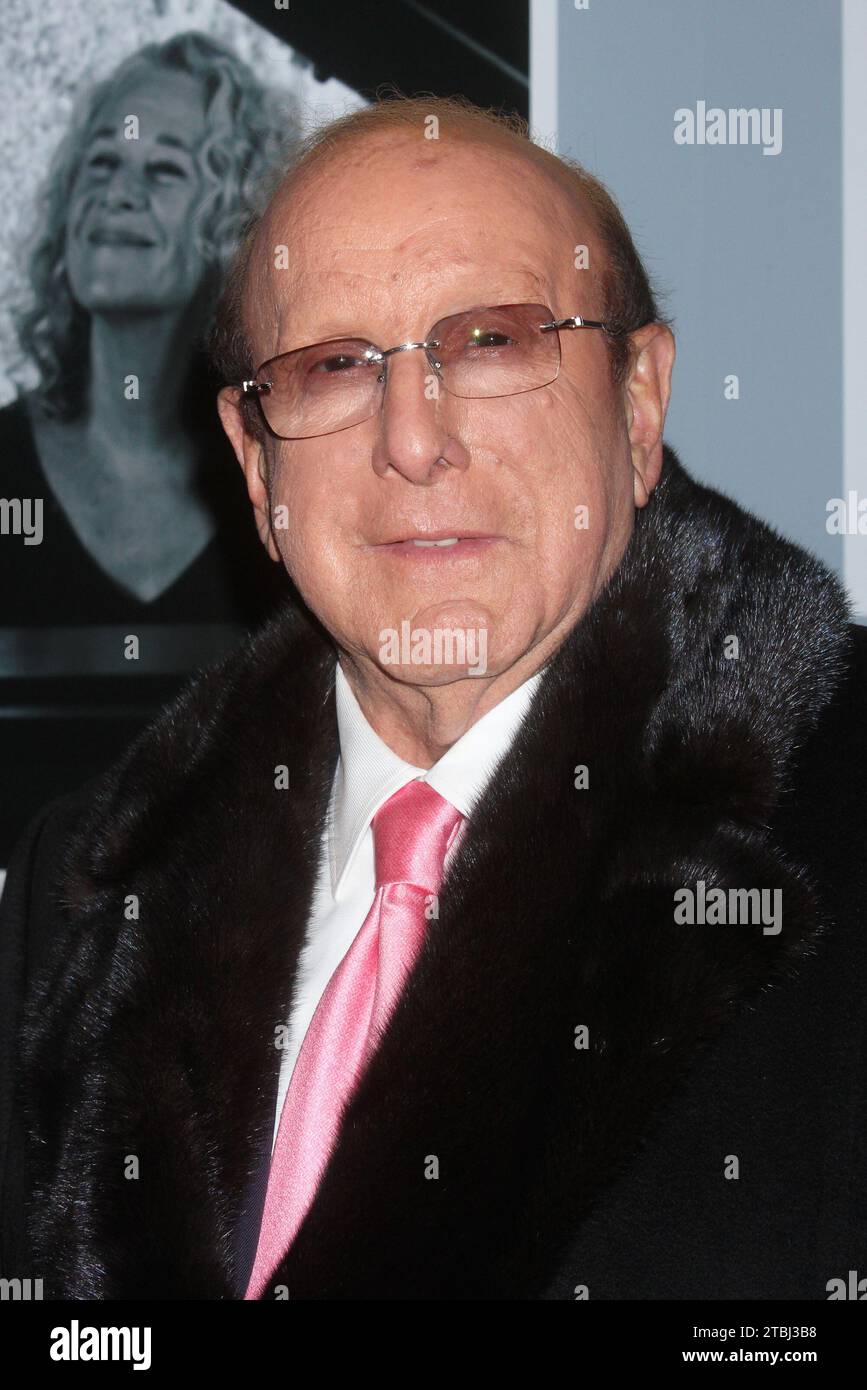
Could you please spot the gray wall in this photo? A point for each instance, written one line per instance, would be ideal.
(745, 246)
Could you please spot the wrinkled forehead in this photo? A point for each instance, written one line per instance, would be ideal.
(390, 237)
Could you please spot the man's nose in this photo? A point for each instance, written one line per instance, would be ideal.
(413, 436)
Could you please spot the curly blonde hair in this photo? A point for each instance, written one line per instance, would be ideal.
(248, 130)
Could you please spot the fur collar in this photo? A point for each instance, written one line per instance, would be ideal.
(154, 1038)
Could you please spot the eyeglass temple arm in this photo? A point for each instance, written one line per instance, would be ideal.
(576, 321)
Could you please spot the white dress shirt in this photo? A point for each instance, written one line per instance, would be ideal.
(368, 772)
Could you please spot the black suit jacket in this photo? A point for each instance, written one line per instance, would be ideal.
(704, 1137)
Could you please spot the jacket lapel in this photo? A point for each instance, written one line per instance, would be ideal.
(481, 1134)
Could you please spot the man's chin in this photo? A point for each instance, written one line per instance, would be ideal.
(432, 652)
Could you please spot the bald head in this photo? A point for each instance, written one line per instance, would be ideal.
(420, 136)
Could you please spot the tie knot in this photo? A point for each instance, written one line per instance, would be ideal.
(411, 833)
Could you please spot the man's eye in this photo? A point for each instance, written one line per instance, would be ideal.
(488, 337)
(338, 363)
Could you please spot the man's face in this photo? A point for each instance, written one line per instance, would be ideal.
(128, 243)
(381, 245)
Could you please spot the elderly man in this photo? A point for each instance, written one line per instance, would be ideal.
(488, 927)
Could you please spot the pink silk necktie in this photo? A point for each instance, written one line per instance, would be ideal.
(412, 833)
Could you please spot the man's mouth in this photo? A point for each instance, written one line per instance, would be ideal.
(439, 545)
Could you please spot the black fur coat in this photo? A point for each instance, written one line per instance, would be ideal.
(563, 1171)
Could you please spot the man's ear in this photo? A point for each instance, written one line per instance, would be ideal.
(250, 453)
(647, 393)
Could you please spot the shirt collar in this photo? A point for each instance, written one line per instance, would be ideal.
(369, 772)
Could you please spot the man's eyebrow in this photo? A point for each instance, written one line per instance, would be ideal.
(284, 341)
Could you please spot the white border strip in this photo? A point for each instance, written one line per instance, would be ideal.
(544, 121)
(854, 130)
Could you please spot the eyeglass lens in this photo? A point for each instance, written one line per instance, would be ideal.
(480, 353)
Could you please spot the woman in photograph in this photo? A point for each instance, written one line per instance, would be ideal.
(147, 195)
(144, 529)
